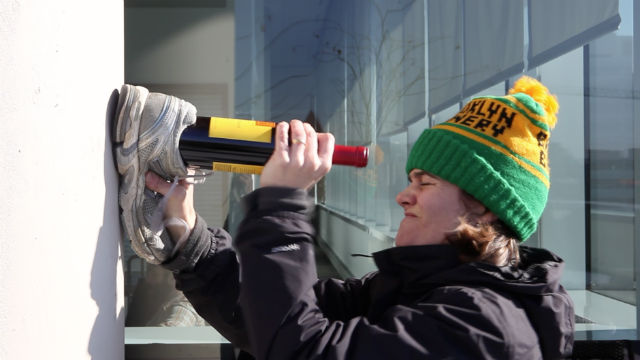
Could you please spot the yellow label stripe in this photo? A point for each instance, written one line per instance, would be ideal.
(481, 138)
(237, 168)
(236, 129)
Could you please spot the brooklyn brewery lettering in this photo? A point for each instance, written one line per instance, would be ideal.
(490, 117)
(478, 116)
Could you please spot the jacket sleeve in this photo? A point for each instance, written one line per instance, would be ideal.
(284, 320)
(343, 300)
(206, 271)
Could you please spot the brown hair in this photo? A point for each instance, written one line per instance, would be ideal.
(489, 242)
(492, 243)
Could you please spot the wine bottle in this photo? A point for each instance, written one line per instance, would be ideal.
(244, 146)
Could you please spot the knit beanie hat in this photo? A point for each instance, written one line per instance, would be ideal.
(496, 150)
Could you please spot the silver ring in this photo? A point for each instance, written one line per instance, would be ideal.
(298, 141)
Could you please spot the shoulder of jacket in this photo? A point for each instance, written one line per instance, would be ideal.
(481, 297)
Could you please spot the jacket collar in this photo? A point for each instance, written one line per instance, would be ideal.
(414, 264)
(414, 270)
(422, 266)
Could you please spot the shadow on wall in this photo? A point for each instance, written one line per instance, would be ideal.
(103, 344)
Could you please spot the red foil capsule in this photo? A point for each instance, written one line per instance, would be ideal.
(357, 156)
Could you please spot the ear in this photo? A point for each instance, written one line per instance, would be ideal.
(487, 217)
(477, 210)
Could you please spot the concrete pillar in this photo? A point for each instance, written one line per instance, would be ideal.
(61, 282)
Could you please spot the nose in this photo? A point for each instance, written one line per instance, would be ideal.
(405, 197)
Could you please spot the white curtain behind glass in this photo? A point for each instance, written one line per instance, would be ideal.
(474, 44)
(493, 43)
(559, 26)
(445, 53)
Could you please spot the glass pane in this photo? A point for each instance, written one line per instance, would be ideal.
(612, 178)
(171, 48)
(154, 301)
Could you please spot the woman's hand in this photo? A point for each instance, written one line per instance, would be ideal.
(301, 164)
(179, 205)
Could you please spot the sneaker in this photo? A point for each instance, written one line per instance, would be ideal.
(146, 131)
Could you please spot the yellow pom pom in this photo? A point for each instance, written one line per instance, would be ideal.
(540, 94)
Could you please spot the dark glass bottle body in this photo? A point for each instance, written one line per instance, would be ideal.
(234, 145)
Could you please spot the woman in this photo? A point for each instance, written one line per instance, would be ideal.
(457, 285)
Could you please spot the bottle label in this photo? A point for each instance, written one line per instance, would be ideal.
(236, 129)
(238, 168)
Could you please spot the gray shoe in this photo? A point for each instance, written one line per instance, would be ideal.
(147, 131)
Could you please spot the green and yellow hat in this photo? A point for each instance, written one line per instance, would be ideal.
(496, 149)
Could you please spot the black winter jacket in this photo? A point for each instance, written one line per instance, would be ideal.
(421, 304)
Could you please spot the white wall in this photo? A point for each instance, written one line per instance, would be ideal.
(61, 291)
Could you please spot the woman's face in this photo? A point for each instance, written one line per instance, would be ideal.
(432, 208)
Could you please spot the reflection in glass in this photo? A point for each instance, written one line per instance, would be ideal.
(154, 301)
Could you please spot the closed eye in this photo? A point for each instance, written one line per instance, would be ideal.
(420, 178)
(421, 183)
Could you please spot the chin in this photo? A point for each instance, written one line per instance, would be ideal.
(408, 236)
(401, 241)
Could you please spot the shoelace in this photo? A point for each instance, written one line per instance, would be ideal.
(198, 177)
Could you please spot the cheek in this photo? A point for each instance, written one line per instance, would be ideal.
(443, 214)
(436, 228)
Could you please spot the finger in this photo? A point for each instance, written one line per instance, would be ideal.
(326, 143)
(298, 141)
(312, 142)
(282, 141)
(282, 136)
(187, 184)
(188, 181)
(156, 183)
